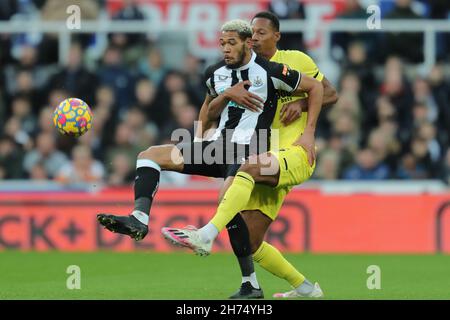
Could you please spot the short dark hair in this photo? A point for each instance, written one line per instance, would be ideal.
(269, 16)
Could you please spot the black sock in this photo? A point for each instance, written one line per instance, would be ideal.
(145, 187)
(240, 242)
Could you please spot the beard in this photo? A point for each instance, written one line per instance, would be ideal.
(240, 62)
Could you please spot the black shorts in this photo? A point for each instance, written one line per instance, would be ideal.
(212, 158)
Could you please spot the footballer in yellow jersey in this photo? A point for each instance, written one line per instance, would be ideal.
(265, 198)
(259, 204)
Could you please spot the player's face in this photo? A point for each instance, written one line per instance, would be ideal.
(234, 49)
(265, 37)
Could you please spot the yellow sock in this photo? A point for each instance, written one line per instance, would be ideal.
(234, 199)
(273, 261)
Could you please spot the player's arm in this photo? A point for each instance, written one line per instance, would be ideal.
(292, 111)
(315, 90)
(330, 95)
(204, 123)
(238, 94)
(295, 83)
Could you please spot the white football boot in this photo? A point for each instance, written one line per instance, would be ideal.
(188, 237)
(316, 293)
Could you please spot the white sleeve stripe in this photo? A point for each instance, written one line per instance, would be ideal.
(281, 85)
(298, 81)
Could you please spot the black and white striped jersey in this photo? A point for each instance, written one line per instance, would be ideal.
(238, 124)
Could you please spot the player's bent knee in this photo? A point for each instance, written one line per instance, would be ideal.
(251, 169)
(150, 153)
(162, 155)
(255, 244)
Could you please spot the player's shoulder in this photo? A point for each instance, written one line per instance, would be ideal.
(294, 54)
(268, 64)
(209, 71)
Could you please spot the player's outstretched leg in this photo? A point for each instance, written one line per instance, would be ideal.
(148, 168)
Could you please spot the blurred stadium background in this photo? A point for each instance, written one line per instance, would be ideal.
(383, 174)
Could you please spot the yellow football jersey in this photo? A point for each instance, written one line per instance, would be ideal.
(303, 63)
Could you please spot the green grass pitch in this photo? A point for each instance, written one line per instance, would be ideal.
(140, 275)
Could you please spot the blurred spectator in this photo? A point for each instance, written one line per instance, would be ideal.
(82, 168)
(44, 124)
(145, 92)
(445, 169)
(74, 78)
(122, 173)
(56, 10)
(341, 40)
(422, 94)
(114, 74)
(419, 149)
(38, 172)
(396, 87)
(124, 143)
(27, 76)
(441, 93)
(384, 111)
(348, 103)
(25, 87)
(129, 11)
(56, 96)
(410, 169)
(289, 9)
(367, 167)
(427, 132)
(327, 165)
(104, 118)
(358, 64)
(10, 159)
(46, 154)
(21, 110)
(348, 130)
(385, 147)
(407, 45)
(182, 113)
(152, 66)
(194, 77)
(132, 45)
(2, 104)
(13, 128)
(172, 85)
(144, 132)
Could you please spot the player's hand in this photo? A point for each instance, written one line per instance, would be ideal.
(307, 142)
(291, 111)
(243, 97)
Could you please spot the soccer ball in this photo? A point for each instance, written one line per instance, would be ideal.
(72, 117)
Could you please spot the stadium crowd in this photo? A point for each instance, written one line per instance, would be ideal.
(388, 123)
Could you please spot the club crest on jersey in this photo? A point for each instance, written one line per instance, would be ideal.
(257, 82)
